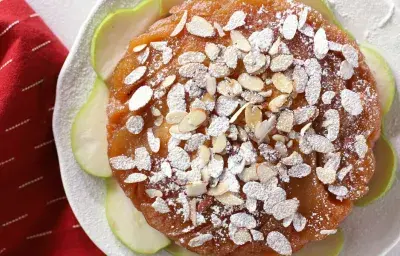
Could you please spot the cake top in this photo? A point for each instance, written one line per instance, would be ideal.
(240, 122)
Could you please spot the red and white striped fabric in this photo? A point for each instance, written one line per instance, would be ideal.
(35, 218)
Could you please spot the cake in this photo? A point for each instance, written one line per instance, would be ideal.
(243, 127)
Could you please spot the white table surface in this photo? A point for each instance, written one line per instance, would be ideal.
(65, 17)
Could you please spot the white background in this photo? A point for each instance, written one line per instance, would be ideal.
(65, 17)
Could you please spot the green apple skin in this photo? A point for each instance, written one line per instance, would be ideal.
(385, 81)
(177, 250)
(330, 246)
(112, 36)
(385, 172)
(89, 133)
(129, 225)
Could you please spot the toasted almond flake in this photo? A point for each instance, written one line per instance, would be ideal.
(211, 85)
(191, 57)
(275, 196)
(122, 163)
(285, 209)
(230, 57)
(225, 106)
(252, 83)
(305, 128)
(229, 87)
(140, 98)
(135, 75)
(253, 116)
(276, 103)
(299, 222)
(307, 30)
(159, 120)
(135, 178)
(192, 120)
(179, 27)
(196, 188)
(153, 193)
(279, 137)
(179, 158)
(336, 47)
(255, 62)
(274, 50)
(313, 90)
(303, 17)
(339, 191)
(251, 204)
(257, 235)
(289, 28)
(262, 129)
(219, 143)
(204, 153)
(142, 159)
(262, 40)
(175, 117)
(216, 166)
(294, 159)
(239, 41)
(160, 206)
(321, 47)
(346, 70)
(191, 70)
(266, 93)
(327, 97)
(236, 20)
(166, 169)
(236, 115)
(200, 240)
(265, 172)
(167, 55)
(199, 26)
(326, 175)
(212, 51)
(218, 126)
(320, 143)
(332, 124)
(249, 174)
(300, 79)
(255, 190)
(219, 70)
(220, 189)
(139, 48)
(159, 46)
(361, 146)
(155, 111)
(135, 124)
(350, 54)
(313, 68)
(230, 199)
(241, 237)
(195, 141)
(287, 221)
(243, 220)
(343, 172)
(279, 243)
(281, 62)
(285, 121)
(351, 102)
(154, 143)
(282, 83)
(328, 231)
(248, 152)
(219, 29)
(299, 171)
(304, 114)
(142, 58)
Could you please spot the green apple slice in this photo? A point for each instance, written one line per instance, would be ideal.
(385, 172)
(330, 246)
(177, 250)
(89, 134)
(129, 224)
(112, 37)
(385, 81)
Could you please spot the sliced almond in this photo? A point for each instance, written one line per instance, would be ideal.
(135, 75)
(237, 114)
(249, 174)
(196, 188)
(285, 121)
(253, 116)
(274, 50)
(175, 117)
(219, 143)
(192, 120)
(204, 154)
(262, 129)
(199, 26)
(212, 51)
(159, 120)
(252, 83)
(155, 111)
(276, 103)
(179, 27)
(219, 29)
(139, 48)
(152, 193)
(230, 199)
(168, 81)
(239, 41)
(229, 87)
(193, 211)
(265, 172)
(282, 83)
(220, 189)
(326, 175)
(140, 98)
(211, 86)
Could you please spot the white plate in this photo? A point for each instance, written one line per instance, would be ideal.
(369, 231)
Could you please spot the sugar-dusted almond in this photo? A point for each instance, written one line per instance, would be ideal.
(276, 103)
(239, 41)
(230, 199)
(192, 120)
(219, 143)
(175, 117)
(282, 83)
(196, 188)
(252, 83)
(253, 116)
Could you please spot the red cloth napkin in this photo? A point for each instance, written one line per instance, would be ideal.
(35, 217)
